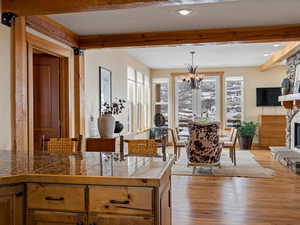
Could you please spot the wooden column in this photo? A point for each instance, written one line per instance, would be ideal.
(79, 83)
(19, 86)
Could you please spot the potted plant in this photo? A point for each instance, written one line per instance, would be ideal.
(106, 123)
(246, 132)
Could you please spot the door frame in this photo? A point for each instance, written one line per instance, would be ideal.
(66, 59)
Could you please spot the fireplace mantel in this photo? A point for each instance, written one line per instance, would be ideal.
(290, 101)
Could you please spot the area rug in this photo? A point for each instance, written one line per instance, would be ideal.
(246, 166)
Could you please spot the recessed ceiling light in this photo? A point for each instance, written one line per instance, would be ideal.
(276, 45)
(267, 54)
(184, 12)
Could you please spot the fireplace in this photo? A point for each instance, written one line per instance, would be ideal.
(297, 135)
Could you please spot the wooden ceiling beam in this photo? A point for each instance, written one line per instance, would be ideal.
(49, 27)
(246, 34)
(44, 7)
(281, 55)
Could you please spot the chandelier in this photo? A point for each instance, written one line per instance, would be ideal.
(193, 80)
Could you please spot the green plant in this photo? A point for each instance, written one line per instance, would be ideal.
(202, 120)
(247, 129)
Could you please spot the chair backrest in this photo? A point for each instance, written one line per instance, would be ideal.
(142, 147)
(174, 136)
(62, 144)
(234, 136)
(100, 144)
(204, 146)
(177, 129)
(143, 134)
(231, 131)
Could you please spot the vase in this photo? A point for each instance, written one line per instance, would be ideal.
(106, 126)
(245, 142)
(118, 127)
(285, 86)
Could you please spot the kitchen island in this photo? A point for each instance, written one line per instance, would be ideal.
(84, 189)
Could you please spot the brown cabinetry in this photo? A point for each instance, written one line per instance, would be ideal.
(61, 204)
(37, 217)
(101, 219)
(121, 200)
(11, 205)
(165, 206)
(56, 197)
(272, 130)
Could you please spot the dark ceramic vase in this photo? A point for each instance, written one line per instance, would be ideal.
(118, 127)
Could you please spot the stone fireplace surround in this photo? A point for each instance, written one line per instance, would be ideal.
(289, 155)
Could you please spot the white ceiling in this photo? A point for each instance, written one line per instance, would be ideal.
(227, 55)
(236, 13)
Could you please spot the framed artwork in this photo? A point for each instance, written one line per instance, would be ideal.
(105, 92)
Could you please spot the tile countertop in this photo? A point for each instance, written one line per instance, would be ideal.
(82, 168)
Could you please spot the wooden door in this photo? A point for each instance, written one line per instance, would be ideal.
(46, 85)
(36, 217)
(105, 219)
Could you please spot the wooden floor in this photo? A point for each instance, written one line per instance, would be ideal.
(238, 201)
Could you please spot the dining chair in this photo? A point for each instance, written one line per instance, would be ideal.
(100, 144)
(66, 145)
(177, 143)
(204, 147)
(231, 143)
(144, 147)
(178, 130)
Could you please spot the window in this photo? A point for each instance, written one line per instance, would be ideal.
(203, 102)
(138, 96)
(160, 97)
(184, 97)
(233, 101)
(146, 103)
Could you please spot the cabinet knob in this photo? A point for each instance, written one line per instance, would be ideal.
(19, 194)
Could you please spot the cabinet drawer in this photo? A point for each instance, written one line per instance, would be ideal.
(37, 217)
(98, 219)
(121, 200)
(57, 197)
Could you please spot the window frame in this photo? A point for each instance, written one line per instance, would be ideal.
(242, 97)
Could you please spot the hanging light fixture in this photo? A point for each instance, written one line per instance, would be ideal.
(193, 80)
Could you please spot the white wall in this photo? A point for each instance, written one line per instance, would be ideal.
(5, 90)
(253, 78)
(117, 62)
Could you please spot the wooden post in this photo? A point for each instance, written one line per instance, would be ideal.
(121, 147)
(79, 83)
(19, 87)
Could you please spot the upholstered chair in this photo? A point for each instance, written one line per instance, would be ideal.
(204, 148)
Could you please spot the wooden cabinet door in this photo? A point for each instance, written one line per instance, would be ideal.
(11, 205)
(165, 207)
(6, 210)
(36, 217)
(105, 219)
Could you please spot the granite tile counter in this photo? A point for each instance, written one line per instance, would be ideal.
(82, 168)
(84, 188)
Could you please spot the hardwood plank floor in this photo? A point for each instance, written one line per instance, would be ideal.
(238, 201)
